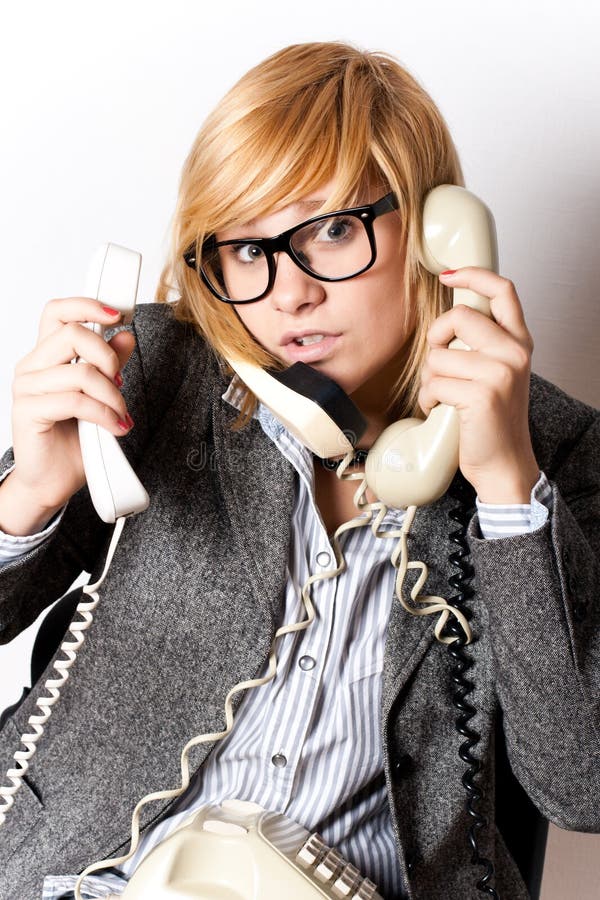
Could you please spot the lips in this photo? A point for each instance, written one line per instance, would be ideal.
(312, 353)
(292, 336)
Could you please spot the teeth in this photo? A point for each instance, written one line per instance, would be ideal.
(309, 339)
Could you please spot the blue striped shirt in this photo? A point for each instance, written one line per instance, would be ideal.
(308, 743)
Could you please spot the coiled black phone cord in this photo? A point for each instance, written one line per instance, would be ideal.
(460, 582)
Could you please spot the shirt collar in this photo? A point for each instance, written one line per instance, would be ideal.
(287, 444)
(272, 427)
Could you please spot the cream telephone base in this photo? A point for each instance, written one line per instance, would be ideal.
(239, 851)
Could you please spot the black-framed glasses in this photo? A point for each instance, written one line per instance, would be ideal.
(334, 246)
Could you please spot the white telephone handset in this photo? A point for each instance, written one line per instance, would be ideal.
(115, 490)
(114, 487)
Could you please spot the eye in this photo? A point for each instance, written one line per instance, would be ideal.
(247, 253)
(334, 230)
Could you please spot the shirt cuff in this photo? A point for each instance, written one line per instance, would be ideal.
(498, 521)
(14, 546)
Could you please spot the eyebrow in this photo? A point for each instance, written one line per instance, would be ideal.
(309, 205)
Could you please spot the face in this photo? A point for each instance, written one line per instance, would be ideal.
(353, 329)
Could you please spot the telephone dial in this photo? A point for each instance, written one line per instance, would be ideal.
(236, 851)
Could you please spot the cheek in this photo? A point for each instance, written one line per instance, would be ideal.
(252, 320)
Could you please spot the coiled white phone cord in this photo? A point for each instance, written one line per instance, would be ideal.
(53, 685)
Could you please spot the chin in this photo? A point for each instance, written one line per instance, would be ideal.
(350, 385)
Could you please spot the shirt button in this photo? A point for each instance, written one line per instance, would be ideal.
(279, 760)
(323, 558)
(306, 663)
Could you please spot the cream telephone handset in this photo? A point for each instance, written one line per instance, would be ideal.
(413, 462)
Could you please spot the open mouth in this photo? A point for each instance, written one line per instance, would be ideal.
(311, 347)
(309, 339)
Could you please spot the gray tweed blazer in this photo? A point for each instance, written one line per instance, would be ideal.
(192, 600)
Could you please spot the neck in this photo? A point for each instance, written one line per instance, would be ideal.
(373, 398)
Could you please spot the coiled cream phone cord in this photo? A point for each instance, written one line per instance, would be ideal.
(77, 630)
(288, 628)
(434, 604)
(400, 561)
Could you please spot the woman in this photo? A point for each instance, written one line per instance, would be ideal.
(355, 736)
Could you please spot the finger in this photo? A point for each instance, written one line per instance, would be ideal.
(70, 341)
(467, 365)
(498, 378)
(505, 305)
(481, 334)
(460, 393)
(48, 409)
(68, 378)
(470, 325)
(74, 309)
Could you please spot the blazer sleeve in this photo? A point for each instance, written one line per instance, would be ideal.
(541, 594)
(35, 580)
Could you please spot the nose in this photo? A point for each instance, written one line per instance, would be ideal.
(293, 289)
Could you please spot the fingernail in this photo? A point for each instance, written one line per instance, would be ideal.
(123, 425)
(110, 311)
(118, 380)
(448, 272)
(129, 420)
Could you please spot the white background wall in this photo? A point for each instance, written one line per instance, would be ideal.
(100, 102)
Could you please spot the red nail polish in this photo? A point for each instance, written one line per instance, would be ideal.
(110, 311)
(118, 380)
(448, 272)
(129, 420)
(123, 425)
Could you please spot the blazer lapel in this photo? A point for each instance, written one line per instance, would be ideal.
(257, 485)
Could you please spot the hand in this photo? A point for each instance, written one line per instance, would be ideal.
(488, 385)
(49, 394)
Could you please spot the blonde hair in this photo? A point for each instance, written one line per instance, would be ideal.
(309, 113)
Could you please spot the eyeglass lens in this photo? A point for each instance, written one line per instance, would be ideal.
(334, 247)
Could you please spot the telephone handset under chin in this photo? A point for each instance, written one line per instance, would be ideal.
(413, 461)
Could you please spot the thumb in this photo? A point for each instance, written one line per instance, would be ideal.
(123, 343)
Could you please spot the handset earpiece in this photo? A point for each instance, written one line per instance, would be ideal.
(413, 462)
